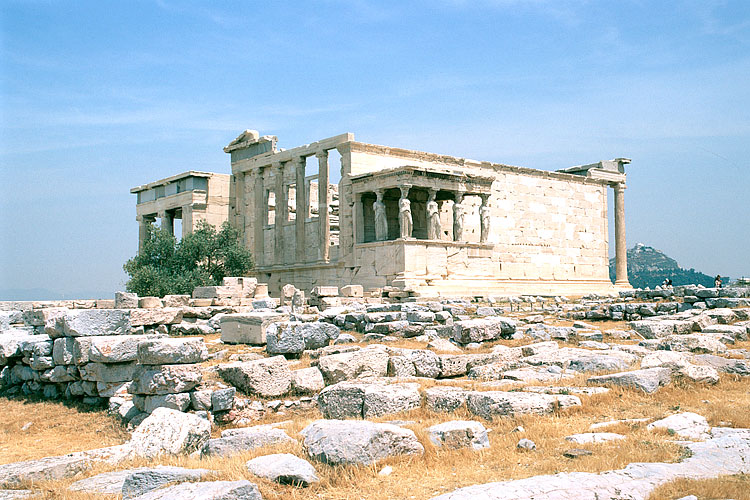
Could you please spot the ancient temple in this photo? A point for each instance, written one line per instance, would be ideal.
(423, 223)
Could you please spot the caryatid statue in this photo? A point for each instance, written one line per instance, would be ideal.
(433, 218)
(381, 221)
(484, 218)
(458, 219)
(404, 213)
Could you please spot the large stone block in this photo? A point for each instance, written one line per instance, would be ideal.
(88, 323)
(107, 372)
(126, 300)
(491, 404)
(169, 431)
(165, 379)
(648, 380)
(369, 362)
(148, 404)
(248, 328)
(459, 434)
(367, 400)
(483, 329)
(357, 442)
(268, 377)
(172, 351)
(234, 441)
(294, 337)
(114, 349)
(160, 316)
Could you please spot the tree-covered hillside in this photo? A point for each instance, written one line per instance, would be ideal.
(648, 267)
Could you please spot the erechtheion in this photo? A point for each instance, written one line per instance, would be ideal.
(425, 224)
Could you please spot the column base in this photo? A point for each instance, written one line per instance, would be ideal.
(623, 284)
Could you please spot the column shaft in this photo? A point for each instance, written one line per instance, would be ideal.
(301, 199)
(621, 256)
(281, 205)
(323, 219)
(260, 218)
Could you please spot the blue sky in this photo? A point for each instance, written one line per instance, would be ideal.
(98, 97)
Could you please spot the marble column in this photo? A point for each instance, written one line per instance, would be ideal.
(324, 222)
(433, 216)
(144, 227)
(167, 221)
(280, 214)
(381, 220)
(621, 256)
(302, 204)
(260, 217)
(485, 219)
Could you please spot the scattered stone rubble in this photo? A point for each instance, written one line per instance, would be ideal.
(146, 359)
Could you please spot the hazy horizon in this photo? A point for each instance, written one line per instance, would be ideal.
(96, 100)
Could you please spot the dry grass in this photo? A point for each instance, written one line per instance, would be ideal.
(56, 429)
(437, 471)
(735, 487)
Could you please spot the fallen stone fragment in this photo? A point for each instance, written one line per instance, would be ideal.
(109, 483)
(594, 437)
(577, 452)
(459, 434)
(686, 425)
(370, 362)
(283, 468)
(165, 379)
(365, 400)
(13, 494)
(648, 380)
(492, 404)
(171, 351)
(172, 432)
(246, 438)
(339, 442)
(267, 377)
(526, 444)
(147, 479)
(294, 337)
(218, 490)
(445, 399)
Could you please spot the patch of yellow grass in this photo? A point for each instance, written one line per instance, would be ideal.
(736, 487)
(56, 429)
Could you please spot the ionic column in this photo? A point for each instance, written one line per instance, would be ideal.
(187, 220)
(260, 218)
(324, 222)
(299, 221)
(144, 223)
(167, 222)
(281, 205)
(621, 257)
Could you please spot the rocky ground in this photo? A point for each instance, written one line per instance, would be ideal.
(602, 397)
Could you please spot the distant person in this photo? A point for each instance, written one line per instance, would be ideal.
(717, 281)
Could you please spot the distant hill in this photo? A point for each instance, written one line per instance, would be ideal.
(648, 267)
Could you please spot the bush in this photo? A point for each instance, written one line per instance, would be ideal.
(202, 258)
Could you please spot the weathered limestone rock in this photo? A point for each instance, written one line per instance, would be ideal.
(539, 348)
(161, 316)
(201, 400)
(149, 302)
(218, 490)
(147, 404)
(370, 362)
(456, 365)
(352, 291)
(268, 377)
(109, 372)
(172, 351)
(340, 442)
(583, 360)
(176, 300)
(365, 400)
(667, 359)
(307, 381)
(223, 399)
(283, 468)
(699, 374)
(62, 351)
(484, 329)
(89, 323)
(490, 404)
(12, 475)
(459, 434)
(697, 343)
(726, 365)
(445, 399)
(165, 379)
(686, 425)
(648, 380)
(248, 328)
(113, 349)
(594, 437)
(294, 337)
(234, 441)
(146, 479)
(172, 432)
(106, 483)
(426, 363)
(126, 300)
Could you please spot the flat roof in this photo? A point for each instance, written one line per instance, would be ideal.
(167, 180)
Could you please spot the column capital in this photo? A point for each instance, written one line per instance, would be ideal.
(300, 160)
(322, 154)
(619, 186)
